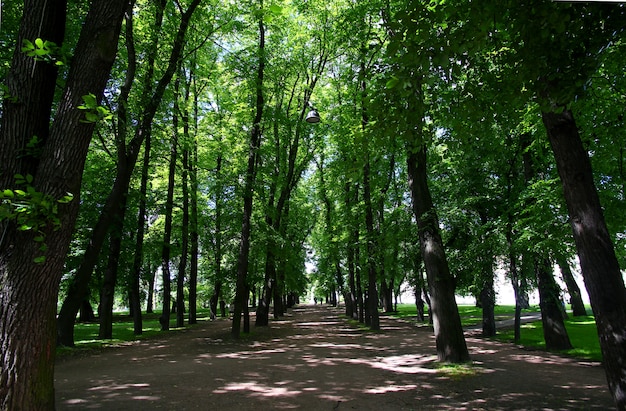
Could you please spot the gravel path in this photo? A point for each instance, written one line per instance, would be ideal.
(313, 359)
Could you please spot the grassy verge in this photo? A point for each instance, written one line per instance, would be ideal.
(581, 330)
(582, 334)
(86, 334)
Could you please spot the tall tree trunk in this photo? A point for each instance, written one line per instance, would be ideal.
(217, 257)
(135, 282)
(127, 157)
(241, 285)
(554, 331)
(487, 292)
(351, 300)
(194, 245)
(135, 299)
(450, 341)
(372, 318)
(267, 293)
(151, 282)
(182, 266)
(488, 302)
(576, 299)
(598, 262)
(167, 236)
(27, 319)
(107, 292)
(371, 310)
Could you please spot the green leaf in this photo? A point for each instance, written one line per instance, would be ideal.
(66, 199)
(276, 9)
(40, 260)
(392, 82)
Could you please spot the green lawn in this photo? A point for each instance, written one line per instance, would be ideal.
(86, 334)
(582, 330)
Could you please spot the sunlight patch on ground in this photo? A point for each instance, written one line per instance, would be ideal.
(342, 346)
(110, 386)
(257, 389)
(391, 388)
(407, 364)
(261, 354)
(537, 359)
(146, 398)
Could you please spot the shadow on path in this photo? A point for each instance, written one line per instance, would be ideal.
(314, 359)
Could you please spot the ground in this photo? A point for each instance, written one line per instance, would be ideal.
(314, 359)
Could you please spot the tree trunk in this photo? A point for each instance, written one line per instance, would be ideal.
(371, 311)
(241, 285)
(576, 300)
(127, 157)
(151, 282)
(194, 245)
(487, 292)
(488, 302)
(107, 292)
(217, 288)
(86, 313)
(450, 341)
(167, 233)
(263, 309)
(598, 262)
(27, 320)
(554, 331)
(135, 299)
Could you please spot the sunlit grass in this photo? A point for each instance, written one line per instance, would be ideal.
(457, 371)
(86, 334)
(581, 330)
(470, 314)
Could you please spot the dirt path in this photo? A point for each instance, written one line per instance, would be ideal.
(314, 360)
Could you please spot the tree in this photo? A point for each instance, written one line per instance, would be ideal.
(114, 209)
(51, 171)
(242, 290)
(555, 86)
(412, 69)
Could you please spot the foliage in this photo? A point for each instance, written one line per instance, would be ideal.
(31, 210)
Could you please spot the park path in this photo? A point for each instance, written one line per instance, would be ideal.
(313, 359)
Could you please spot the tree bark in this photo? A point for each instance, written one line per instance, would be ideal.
(450, 341)
(107, 292)
(576, 299)
(29, 289)
(241, 285)
(167, 231)
(193, 238)
(127, 159)
(554, 331)
(488, 302)
(598, 261)
(217, 256)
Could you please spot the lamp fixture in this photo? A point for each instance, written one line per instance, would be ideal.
(313, 117)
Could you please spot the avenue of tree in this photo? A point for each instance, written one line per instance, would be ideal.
(156, 154)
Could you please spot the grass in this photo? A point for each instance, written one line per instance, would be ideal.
(581, 330)
(582, 334)
(470, 314)
(457, 371)
(86, 334)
